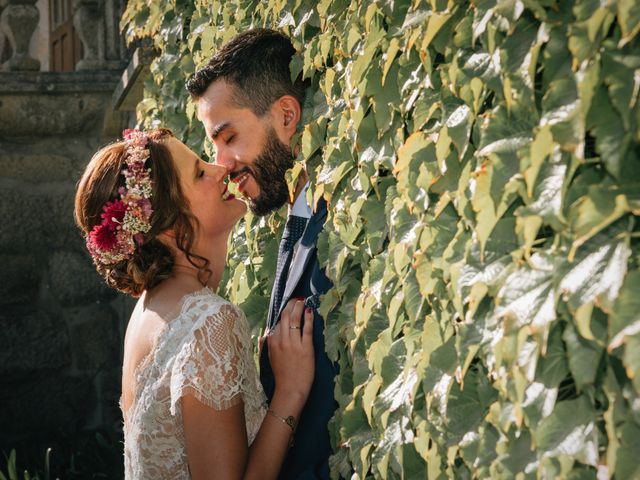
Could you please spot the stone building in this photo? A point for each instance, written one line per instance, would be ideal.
(68, 84)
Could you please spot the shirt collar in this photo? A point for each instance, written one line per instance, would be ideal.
(300, 207)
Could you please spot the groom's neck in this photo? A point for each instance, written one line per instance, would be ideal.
(302, 181)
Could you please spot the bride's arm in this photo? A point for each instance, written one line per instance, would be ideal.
(216, 440)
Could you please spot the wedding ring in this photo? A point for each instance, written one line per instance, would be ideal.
(294, 327)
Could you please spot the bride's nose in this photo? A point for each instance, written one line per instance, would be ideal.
(217, 171)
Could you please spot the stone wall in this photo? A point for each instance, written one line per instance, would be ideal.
(61, 329)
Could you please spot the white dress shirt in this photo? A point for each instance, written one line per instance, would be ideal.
(300, 207)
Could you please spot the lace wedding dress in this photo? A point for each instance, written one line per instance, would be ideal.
(206, 352)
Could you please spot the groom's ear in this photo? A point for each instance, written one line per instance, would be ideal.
(287, 114)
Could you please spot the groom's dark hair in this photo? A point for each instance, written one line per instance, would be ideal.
(256, 63)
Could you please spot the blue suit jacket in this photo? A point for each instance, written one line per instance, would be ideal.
(308, 458)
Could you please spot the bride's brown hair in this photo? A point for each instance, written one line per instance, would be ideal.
(152, 261)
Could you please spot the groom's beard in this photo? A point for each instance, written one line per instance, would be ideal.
(268, 171)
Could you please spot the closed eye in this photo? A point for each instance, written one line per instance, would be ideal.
(229, 139)
(201, 174)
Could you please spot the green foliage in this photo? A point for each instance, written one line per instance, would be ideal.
(12, 469)
(481, 164)
(87, 454)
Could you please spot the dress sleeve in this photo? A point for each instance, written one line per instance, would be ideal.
(210, 363)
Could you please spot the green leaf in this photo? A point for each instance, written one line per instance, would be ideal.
(570, 430)
(563, 113)
(438, 378)
(586, 35)
(465, 408)
(489, 270)
(528, 294)
(584, 357)
(625, 316)
(481, 16)
(612, 141)
(416, 17)
(504, 132)
(397, 394)
(538, 402)
(627, 465)
(458, 120)
(416, 170)
(631, 359)
(547, 193)
(478, 449)
(629, 19)
(594, 212)
(482, 65)
(597, 272)
(552, 367)
(11, 466)
(519, 455)
(414, 301)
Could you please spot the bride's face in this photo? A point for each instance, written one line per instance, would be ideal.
(203, 185)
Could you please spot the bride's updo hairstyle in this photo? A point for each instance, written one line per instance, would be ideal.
(149, 261)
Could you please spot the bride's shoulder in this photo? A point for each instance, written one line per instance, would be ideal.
(206, 306)
(204, 300)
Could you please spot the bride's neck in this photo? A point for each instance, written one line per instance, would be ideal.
(203, 277)
(183, 269)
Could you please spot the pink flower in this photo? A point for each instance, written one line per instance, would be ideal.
(136, 168)
(145, 207)
(138, 137)
(103, 238)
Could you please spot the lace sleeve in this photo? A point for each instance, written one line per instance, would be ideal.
(210, 364)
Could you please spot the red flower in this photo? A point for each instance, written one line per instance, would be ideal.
(126, 133)
(113, 214)
(103, 238)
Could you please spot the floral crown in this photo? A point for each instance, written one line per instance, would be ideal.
(126, 219)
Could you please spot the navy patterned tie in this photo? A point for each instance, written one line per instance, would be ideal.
(292, 233)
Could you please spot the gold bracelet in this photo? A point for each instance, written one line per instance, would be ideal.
(289, 421)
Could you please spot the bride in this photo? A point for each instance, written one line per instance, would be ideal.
(156, 219)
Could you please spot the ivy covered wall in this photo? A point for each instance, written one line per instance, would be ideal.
(481, 160)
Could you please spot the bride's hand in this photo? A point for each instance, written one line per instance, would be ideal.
(291, 351)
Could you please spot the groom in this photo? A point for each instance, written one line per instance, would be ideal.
(251, 109)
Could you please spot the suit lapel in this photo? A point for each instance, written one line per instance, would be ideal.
(303, 254)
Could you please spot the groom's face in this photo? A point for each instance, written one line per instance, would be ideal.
(252, 148)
